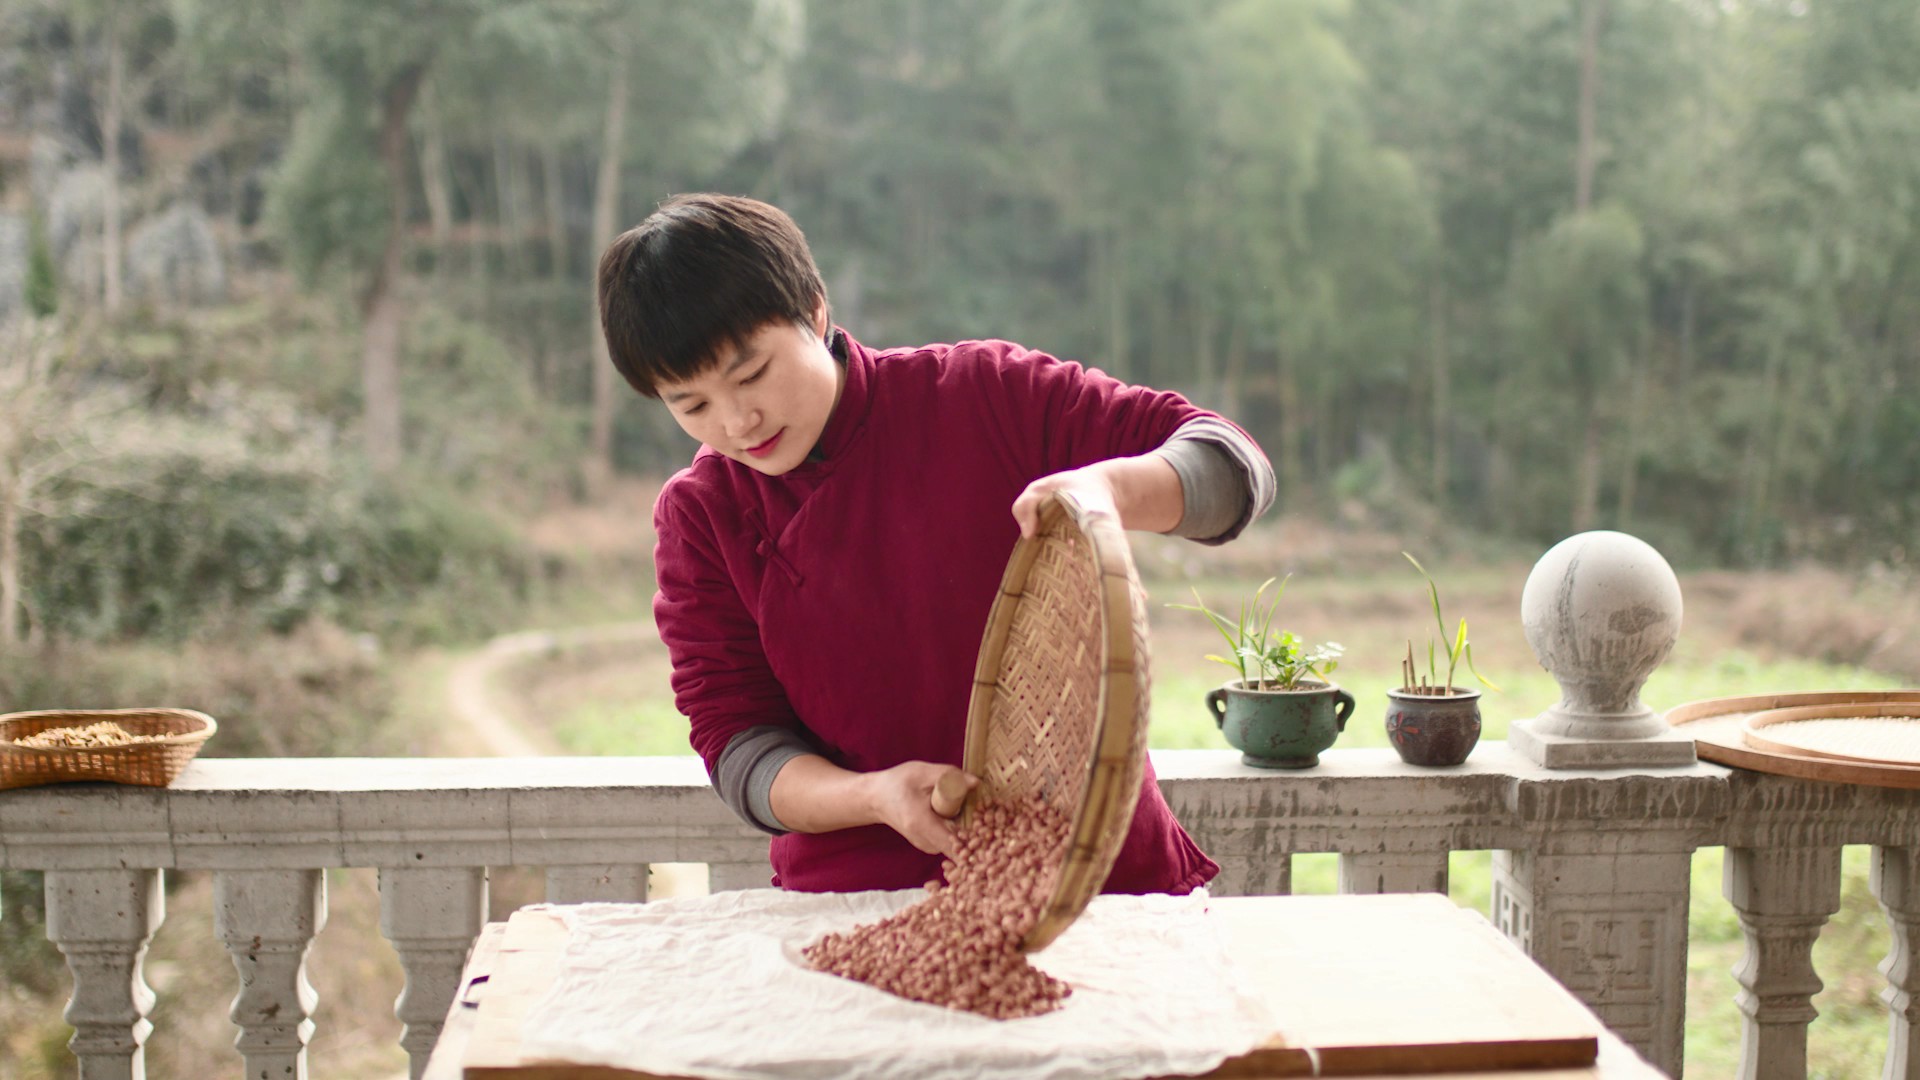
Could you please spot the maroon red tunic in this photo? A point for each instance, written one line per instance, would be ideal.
(846, 598)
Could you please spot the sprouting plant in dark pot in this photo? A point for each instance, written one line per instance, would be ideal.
(1430, 720)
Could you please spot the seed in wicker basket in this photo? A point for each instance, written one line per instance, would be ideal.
(960, 947)
(93, 736)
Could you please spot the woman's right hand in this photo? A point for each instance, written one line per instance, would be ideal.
(902, 798)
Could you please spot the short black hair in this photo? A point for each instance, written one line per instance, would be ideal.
(702, 271)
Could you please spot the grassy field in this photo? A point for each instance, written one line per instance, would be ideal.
(1375, 609)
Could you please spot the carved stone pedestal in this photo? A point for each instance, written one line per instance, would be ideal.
(1600, 897)
(1601, 611)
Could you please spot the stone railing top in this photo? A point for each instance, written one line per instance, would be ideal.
(421, 774)
(287, 813)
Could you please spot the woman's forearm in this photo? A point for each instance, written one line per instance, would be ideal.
(1146, 492)
(812, 795)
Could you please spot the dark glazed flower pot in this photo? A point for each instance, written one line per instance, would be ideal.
(1429, 729)
(1280, 729)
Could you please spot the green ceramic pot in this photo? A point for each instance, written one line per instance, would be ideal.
(1280, 729)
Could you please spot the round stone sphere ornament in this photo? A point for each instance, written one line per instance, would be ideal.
(1601, 610)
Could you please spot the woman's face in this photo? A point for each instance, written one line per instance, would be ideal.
(764, 405)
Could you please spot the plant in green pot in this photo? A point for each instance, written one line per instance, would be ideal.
(1284, 709)
(1431, 721)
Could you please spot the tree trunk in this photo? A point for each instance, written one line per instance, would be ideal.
(110, 121)
(559, 250)
(1586, 501)
(1161, 341)
(1326, 427)
(507, 200)
(1290, 427)
(380, 306)
(1586, 485)
(1233, 381)
(1206, 362)
(10, 502)
(1442, 390)
(1110, 264)
(1686, 333)
(1630, 458)
(1753, 483)
(1585, 154)
(849, 290)
(606, 209)
(433, 181)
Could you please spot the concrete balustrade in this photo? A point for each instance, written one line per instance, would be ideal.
(266, 919)
(1591, 871)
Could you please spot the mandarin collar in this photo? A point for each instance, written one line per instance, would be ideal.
(856, 397)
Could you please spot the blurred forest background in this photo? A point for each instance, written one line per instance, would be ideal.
(302, 390)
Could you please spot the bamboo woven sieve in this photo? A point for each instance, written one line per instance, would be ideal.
(1059, 702)
(151, 764)
(1870, 733)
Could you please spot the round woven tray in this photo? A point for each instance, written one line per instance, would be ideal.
(1717, 726)
(1877, 733)
(151, 764)
(1059, 703)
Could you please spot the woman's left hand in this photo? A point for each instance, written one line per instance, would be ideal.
(1089, 486)
(1140, 492)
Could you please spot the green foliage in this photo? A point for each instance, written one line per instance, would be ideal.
(26, 955)
(1349, 223)
(233, 504)
(329, 198)
(318, 690)
(1454, 649)
(476, 420)
(43, 283)
(201, 538)
(1264, 658)
(1579, 294)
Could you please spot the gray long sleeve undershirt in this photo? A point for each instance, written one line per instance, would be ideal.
(1225, 482)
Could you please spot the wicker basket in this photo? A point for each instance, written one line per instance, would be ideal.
(152, 764)
(1059, 702)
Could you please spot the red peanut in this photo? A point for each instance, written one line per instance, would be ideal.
(960, 947)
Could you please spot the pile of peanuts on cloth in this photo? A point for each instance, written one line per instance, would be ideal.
(104, 733)
(960, 947)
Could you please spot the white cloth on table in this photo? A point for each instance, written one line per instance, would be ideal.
(716, 987)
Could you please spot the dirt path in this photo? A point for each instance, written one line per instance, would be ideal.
(477, 701)
(496, 723)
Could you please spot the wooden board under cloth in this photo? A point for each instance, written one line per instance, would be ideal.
(1400, 984)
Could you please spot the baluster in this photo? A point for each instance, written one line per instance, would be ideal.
(1896, 884)
(102, 921)
(582, 884)
(267, 919)
(1393, 872)
(431, 915)
(1784, 896)
(753, 874)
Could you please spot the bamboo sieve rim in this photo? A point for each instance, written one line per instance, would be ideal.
(1116, 749)
(1715, 726)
